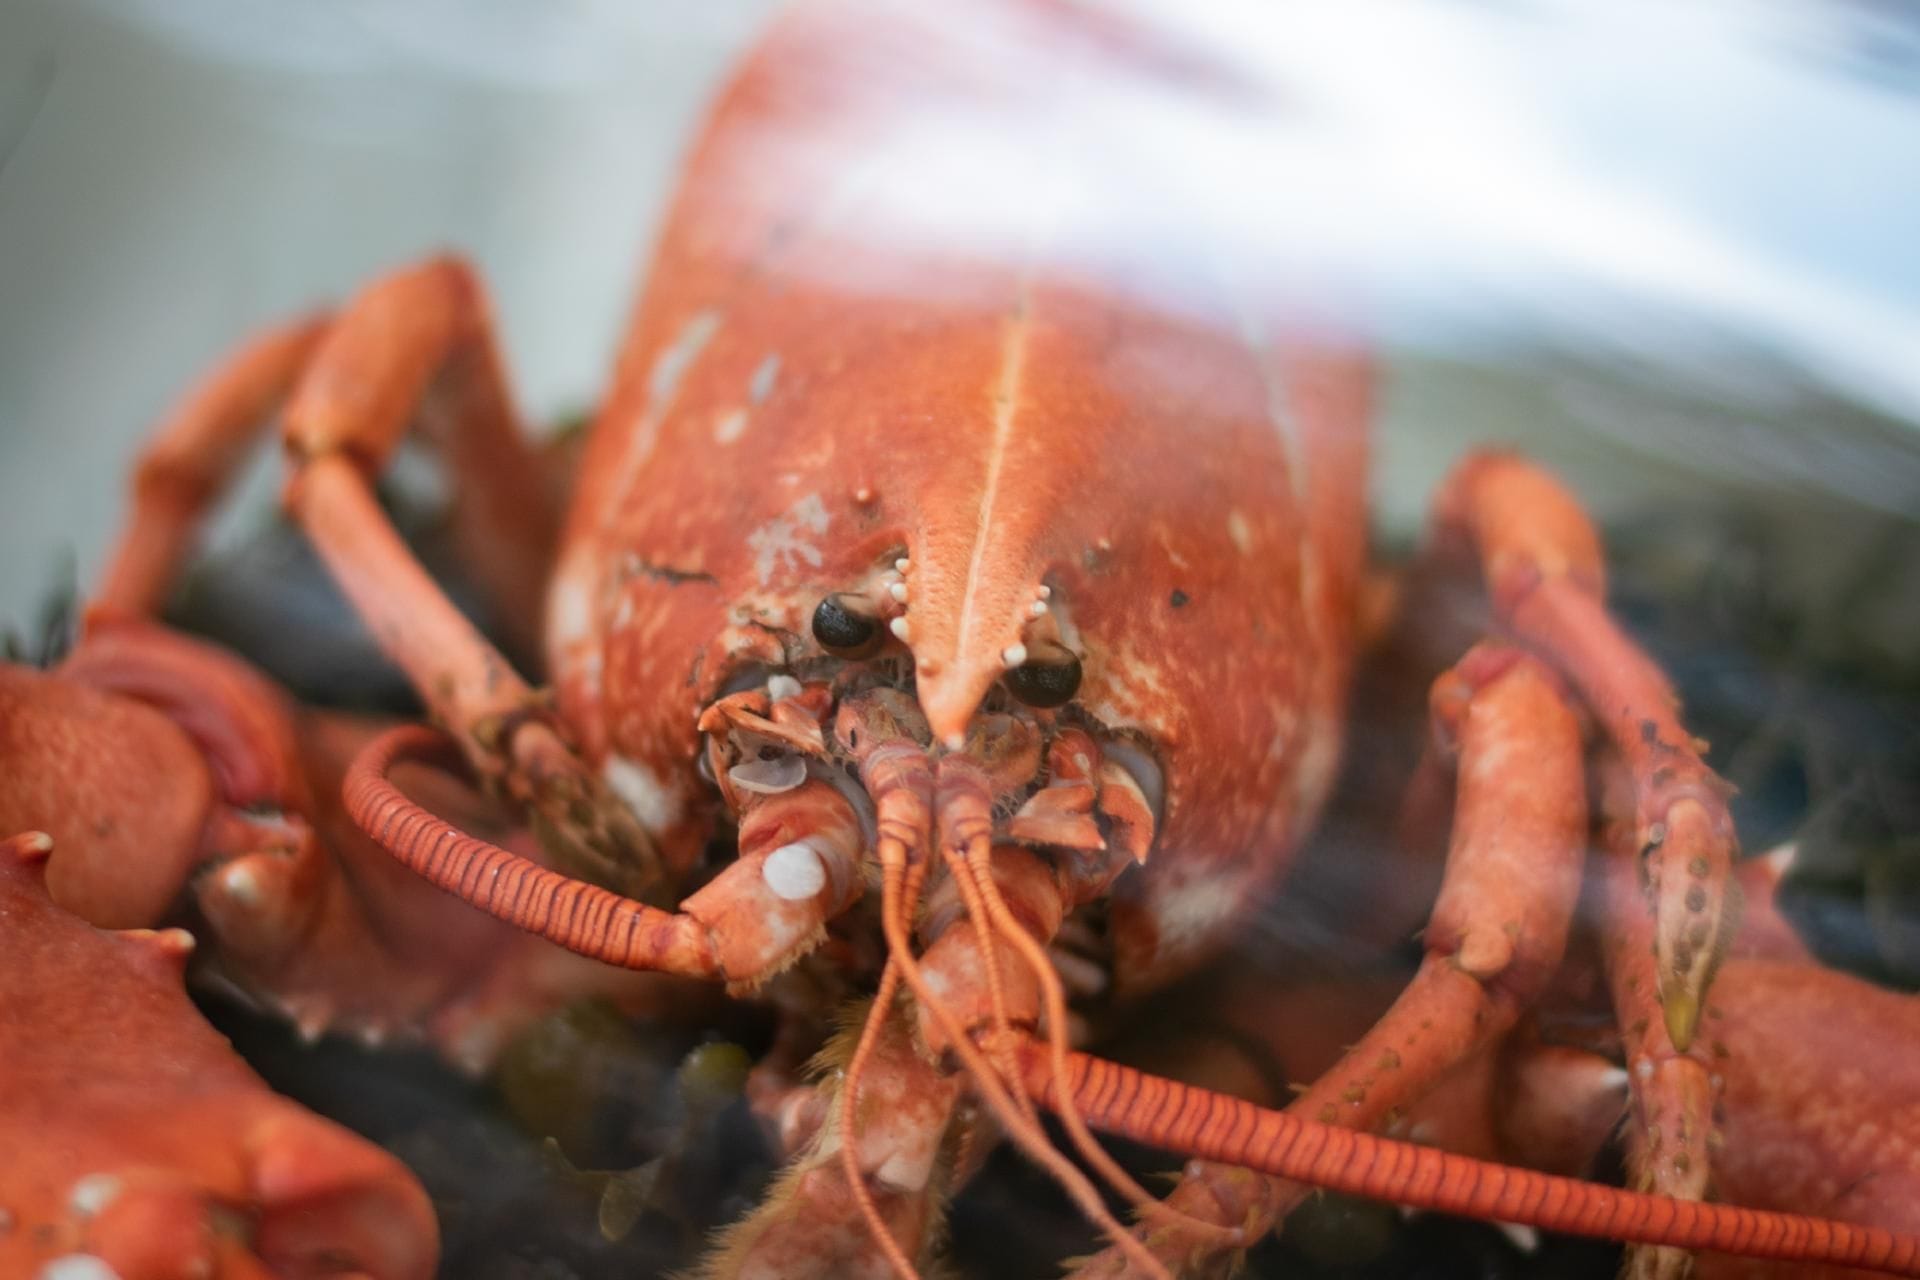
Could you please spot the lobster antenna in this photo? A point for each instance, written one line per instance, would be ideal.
(1220, 1127)
(877, 1016)
(1151, 1206)
(1027, 1133)
(582, 917)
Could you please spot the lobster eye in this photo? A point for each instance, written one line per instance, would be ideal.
(1048, 678)
(846, 626)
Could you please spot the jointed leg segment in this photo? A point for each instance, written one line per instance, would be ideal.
(417, 344)
(1512, 878)
(194, 456)
(421, 338)
(1541, 560)
(1496, 936)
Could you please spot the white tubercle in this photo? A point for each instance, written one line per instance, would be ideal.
(1039, 608)
(242, 883)
(782, 686)
(1523, 1237)
(76, 1266)
(1043, 592)
(1013, 655)
(898, 590)
(93, 1193)
(794, 871)
(899, 628)
(903, 564)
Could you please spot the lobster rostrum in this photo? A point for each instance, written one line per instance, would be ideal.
(995, 577)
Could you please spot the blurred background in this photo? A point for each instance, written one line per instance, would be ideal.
(172, 175)
(1671, 251)
(1674, 251)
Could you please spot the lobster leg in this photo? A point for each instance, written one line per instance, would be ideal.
(1672, 1088)
(192, 458)
(1540, 556)
(1496, 935)
(1820, 1106)
(420, 338)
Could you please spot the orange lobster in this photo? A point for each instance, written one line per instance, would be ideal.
(136, 1143)
(995, 575)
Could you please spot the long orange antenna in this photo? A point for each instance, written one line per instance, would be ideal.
(581, 917)
(849, 1104)
(1215, 1126)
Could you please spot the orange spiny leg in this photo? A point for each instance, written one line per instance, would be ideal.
(1497, 932)
(581, 917)
(1673, 1093)
(1217, 1127)
(1541, 559)
(192, 457)
(420, 340)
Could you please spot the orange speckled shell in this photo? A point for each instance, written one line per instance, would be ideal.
(894, 313)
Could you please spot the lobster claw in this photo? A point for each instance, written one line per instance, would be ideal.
(172, 777)
(163, 724)
(176, 1160)
(122, 791)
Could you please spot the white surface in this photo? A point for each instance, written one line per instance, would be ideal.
(1716, 201)
(183, 170)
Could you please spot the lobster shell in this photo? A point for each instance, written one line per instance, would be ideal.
(826, 374)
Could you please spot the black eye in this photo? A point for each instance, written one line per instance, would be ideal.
(1048, 678)
(846, 626)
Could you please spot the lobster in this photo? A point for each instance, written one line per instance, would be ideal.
(995, 575)
(177, 1160)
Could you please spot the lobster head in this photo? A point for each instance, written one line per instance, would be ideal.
(998, 477)
(1049, 513)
